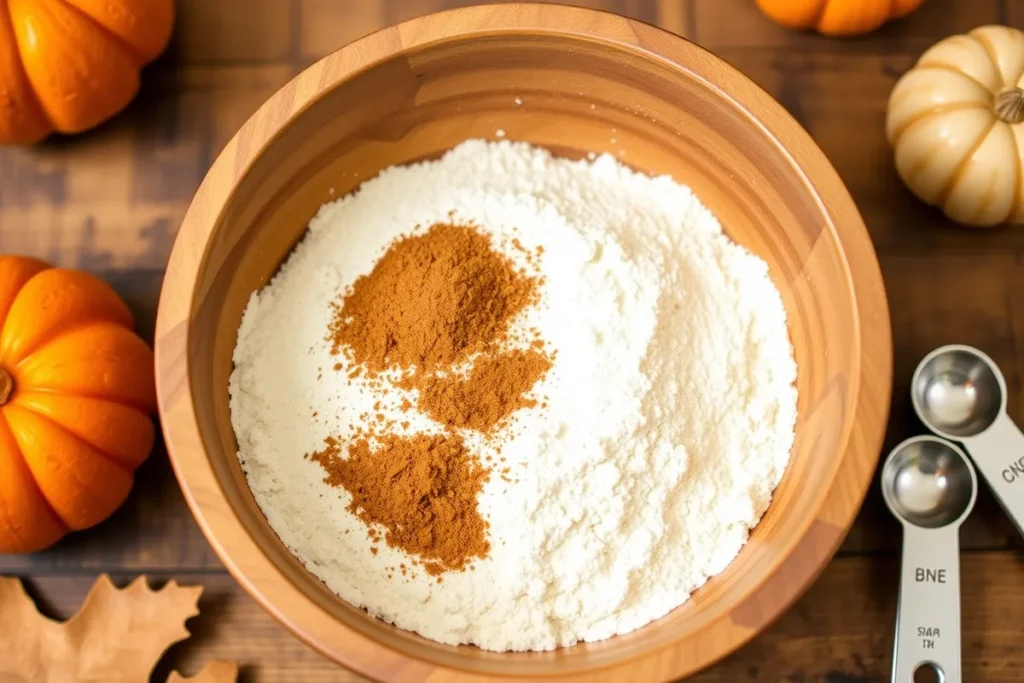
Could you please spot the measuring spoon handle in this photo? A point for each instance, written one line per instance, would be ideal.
(928, 614)
(998, 453)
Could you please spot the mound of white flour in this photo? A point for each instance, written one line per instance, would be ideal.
(669, 417)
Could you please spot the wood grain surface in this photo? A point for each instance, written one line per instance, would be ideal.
(111, 201)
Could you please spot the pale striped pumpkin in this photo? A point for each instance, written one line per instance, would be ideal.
(956, 123)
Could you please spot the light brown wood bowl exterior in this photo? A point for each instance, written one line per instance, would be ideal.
(587, 81)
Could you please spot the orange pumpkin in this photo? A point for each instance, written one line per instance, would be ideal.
(837, 17)
(68, 65)
(76, 395)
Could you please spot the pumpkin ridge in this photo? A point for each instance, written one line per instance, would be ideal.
(51, 303)
(23, 401)
(73, 475)
(942, 66)
(1018, 197)
(19, 64)
(101, 361)
(58, 426)
(989, 51)
(121, 42)
(145, 26)
(924, 160)
(822, 8)
(42, 496)
(862, 19)
(23, 269)
(928, 113)
(958, 173)
(81, 77)
(984, 201)
(71, 329)
(80, 394)
(8, 522)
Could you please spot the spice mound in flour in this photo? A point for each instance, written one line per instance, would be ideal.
(438, 308)
(422, 489)
(496, 387)
(430, 301)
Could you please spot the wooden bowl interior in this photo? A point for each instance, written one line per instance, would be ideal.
(574, 96)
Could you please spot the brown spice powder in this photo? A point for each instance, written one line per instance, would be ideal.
(430, 301)
(494, 389)
(422, 489)
(429, 304)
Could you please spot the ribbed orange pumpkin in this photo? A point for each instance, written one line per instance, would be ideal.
(837, 17)
(68, 65)
(76, 395)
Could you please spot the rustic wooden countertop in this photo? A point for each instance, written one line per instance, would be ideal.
(111, 201)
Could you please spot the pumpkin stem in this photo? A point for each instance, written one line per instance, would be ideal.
(1010, 105)
(6, 386)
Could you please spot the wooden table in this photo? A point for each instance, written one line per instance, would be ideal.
(111, 202)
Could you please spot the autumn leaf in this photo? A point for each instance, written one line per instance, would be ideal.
(117, 636)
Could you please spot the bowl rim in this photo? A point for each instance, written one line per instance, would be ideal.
(220, 524)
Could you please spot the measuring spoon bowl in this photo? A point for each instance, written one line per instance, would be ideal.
(927, 483)
(930, 486)
(959, 393)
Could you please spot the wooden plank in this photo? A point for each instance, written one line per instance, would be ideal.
(739, 23)
(935, 298)
(645, 10)
(326, 25)
(677, 16)
(1015, 305)
(1013, 13)
(840, 631)
(840, 98)
(113, 198)
(947, 297)
(233, 31)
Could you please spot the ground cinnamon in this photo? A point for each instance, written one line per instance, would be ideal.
(437, 308)
(430, 301)
(496, 387)
(422, 489)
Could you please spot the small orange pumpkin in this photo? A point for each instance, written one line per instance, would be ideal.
(68, 65)
(76, 394)
(837, 17)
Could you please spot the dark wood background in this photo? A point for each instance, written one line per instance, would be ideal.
(111, 201)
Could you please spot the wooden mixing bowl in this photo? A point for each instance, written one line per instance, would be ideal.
(575, 81)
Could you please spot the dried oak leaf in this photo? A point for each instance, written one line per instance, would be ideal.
(117, 635)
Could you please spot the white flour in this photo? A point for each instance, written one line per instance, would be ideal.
(670, 405)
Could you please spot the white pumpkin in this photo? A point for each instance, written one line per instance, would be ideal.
(956, 122)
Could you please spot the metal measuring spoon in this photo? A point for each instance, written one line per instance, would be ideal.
(930, 487)
(959, 393)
